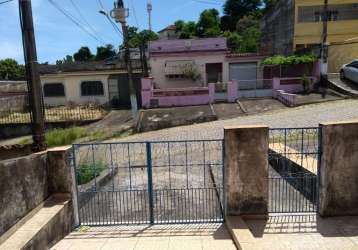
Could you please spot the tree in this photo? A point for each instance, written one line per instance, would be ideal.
(11, 70)
(188, 30)
(104, 52)
(141, 40)
(83, 55)
(209, 24)
(234, 10)
(234, 40)
(68, 59)
(269, 4)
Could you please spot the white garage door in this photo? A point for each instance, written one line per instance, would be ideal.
(245, 74)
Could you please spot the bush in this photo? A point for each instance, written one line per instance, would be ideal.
(60, 137)
(88, 171)
(289, 60)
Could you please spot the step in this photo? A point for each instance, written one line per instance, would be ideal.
(42, 227)
(240, 232)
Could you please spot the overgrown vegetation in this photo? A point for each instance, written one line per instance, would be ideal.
(11, 70)
(289, 60)
(68, 136)
(239, 24)
(88, 171)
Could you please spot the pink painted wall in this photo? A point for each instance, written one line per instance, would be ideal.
(232, 91)
(290, 88)
(183, 96)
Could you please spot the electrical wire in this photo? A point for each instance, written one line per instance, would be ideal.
(83, 18)
(7, 1)
(134, 13)
(76, 22)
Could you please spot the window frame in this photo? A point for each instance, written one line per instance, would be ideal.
(54, 96)
(91, 81)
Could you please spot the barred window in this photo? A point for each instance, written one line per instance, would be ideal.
(54, 90)
(336, 12)
(90, 88)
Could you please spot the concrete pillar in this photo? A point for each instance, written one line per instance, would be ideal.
(232, 91)
(211, 87)
(146, 91)
(246, 170)
(339, 169)
(61, 177)
(276, 83)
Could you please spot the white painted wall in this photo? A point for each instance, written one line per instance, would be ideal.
(72, 84)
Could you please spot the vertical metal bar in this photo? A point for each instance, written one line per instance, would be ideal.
(319, 162)
(223, 178)
(94, 168)
(129, 167)
(186, 164)
(150, 181)
(302, 149)
(204, 163)
(112, 165)
(285, 143)
(170, 182)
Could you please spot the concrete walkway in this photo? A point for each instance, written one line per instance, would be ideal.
(157, 237)
(306, 232)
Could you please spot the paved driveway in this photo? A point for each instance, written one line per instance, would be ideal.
(305, 116)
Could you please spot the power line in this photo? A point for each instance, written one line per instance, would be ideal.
(76, 22)
(134, 13)
(6, 1)
(207, 2)
(83, 18)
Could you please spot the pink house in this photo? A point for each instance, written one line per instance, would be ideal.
(201, 71)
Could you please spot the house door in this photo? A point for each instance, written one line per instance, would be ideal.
(245, 74)
(119, 91)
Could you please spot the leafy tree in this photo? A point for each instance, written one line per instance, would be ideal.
(179, 26)
(209, 24)
(104, 52)
(140, 40)
(234, 10)
(11, 70)
(234, 40)
(268, 4)
(247, 22)
(188, 30)
(83, 55)
(250, 40)
(66, 60)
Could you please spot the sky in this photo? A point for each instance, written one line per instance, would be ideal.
(57, 36)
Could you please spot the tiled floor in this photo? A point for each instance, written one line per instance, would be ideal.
(304, 232)
(158, 237)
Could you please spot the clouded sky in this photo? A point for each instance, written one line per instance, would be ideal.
(57, 36)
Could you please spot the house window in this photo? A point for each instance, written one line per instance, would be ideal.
(91, 88)
(336, 12)
(54, 90)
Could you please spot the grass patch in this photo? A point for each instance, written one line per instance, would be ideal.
(61, 137)
(88, 171)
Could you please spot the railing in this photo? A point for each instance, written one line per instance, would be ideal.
(294, 168)
(53, 114)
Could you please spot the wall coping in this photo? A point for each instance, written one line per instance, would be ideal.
(339, 123)
(245, 127)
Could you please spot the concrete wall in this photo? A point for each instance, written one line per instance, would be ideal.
(339, 169)
(27, 181)
(340, 54)
(277, 28)
(72, 84)
(246, 170)
(23, 186)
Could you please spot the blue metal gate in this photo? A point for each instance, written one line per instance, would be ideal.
(294, 157)
(150, 182)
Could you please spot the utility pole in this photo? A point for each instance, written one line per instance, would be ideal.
(32, 76)
(149, 9)
(324, 48)
(119, 14)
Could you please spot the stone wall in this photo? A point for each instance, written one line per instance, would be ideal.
(339, 169)
(23, 186)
